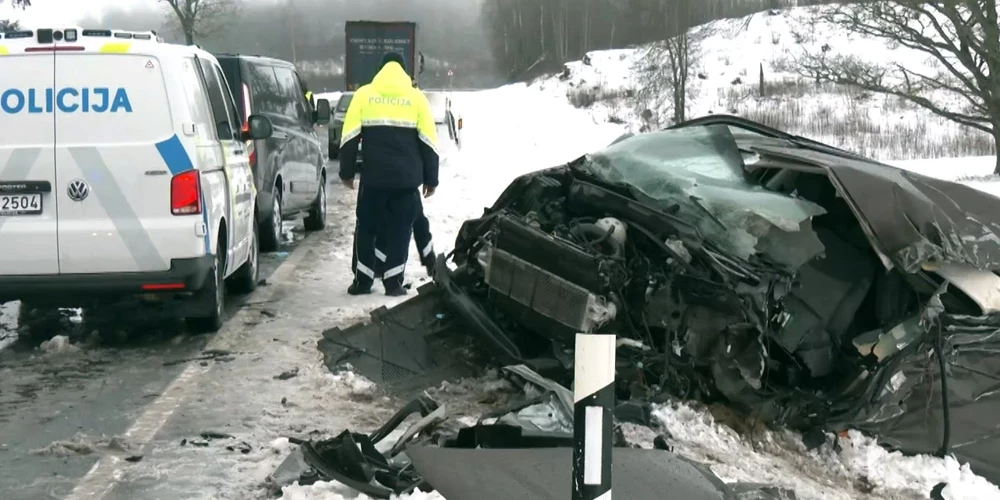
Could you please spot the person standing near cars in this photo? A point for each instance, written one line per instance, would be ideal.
(400, 155)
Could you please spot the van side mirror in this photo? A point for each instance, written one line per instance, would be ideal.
(259, 127)
(322, 113)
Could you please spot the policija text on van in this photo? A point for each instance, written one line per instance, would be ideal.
(67, 100)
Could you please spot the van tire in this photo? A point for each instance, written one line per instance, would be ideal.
(316, 220)
(245, 279)
(212, 297)
(270, 233)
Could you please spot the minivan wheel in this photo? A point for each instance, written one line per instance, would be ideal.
(316, 220)
(245, 279)
(270, 234)
(213, 297)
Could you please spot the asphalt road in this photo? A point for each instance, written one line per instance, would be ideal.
(50, 400)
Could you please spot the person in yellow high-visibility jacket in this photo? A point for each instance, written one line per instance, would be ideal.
(400, 155)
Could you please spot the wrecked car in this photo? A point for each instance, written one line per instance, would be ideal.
(804, 285)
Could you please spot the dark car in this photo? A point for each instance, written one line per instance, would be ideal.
(289, 168)
(337, 124)
(799, 284)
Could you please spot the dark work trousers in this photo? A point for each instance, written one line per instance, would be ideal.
(384, 224)
(421, 237)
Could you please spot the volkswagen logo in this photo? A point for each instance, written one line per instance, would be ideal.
(78, 190)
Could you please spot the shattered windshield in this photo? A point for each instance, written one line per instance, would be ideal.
(700, 171)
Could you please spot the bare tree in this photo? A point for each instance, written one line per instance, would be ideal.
(961, 39)
(679, 53)
(201, 18)
(7, 26)
(19, 3)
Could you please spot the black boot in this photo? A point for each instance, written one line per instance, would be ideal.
(356, 289)
(395, 292)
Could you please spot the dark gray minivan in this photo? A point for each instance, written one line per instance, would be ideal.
(289, 168)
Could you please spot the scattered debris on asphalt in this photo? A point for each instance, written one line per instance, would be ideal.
(287, 374)
(220, 355)
(738, 265)
(522, 451)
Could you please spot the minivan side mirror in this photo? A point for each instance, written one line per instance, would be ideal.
(322, 113)
(260, 127)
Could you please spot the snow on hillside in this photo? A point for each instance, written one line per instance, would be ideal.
(620, 84)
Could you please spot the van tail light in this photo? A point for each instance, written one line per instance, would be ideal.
(460, 124)
(185, 193)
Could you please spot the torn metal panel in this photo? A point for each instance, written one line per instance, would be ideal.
(545, 474)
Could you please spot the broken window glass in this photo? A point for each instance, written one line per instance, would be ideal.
(700, 171)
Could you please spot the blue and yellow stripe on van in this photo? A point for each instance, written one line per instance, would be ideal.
(3, 50)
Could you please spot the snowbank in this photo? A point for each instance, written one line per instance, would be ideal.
(858, 466)
(619, 85)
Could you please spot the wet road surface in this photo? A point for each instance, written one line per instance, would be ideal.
(59, 410)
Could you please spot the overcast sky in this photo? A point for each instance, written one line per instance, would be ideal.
(57, 13)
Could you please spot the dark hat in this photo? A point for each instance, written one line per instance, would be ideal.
(392, 57)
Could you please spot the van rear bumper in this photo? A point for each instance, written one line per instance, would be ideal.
(184, 275)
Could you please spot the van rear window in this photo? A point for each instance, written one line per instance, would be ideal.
(110, 98)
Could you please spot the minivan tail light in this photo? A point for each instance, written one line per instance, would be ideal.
(185, 193)
(246, 108)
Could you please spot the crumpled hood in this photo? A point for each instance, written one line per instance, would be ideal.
(392, 81)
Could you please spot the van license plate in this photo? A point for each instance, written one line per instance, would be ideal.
(20, 204)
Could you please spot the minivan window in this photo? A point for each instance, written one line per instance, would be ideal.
(302, 91)
(194, 88)
(344, 102)
(265, 93)
(234, 115)
(290, 90)
(223, 128)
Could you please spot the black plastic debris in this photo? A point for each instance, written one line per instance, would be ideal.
(402, 350)
(353, 460)
(545, 474)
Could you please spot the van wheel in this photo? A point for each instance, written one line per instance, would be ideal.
(270, 234)
(212, 298)
(245, 279)
(316, 220)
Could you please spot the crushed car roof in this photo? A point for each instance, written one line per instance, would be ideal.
(911, 219)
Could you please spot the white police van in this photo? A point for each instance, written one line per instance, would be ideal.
(123, 174)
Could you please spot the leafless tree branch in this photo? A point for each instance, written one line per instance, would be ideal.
(960, 38)
(197, 19)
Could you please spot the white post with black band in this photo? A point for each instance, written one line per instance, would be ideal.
(594, 399)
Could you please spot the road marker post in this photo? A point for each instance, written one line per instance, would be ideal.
(593, 401)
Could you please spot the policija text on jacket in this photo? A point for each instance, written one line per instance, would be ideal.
(394, 121)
